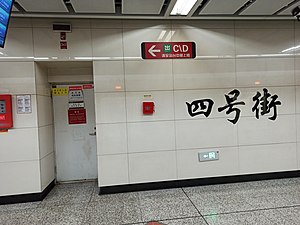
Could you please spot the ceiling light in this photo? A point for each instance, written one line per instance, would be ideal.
(291, 49)
(162, 34)
(183, 7)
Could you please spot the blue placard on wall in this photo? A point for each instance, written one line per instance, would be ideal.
(5, 10)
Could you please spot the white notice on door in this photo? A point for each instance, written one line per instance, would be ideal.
(76, 104)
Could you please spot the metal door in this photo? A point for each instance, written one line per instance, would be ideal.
(75, 141)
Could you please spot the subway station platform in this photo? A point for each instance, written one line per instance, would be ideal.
(271, 202)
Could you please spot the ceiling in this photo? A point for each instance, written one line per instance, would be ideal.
(155, 9)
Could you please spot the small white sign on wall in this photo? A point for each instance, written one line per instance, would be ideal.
(24, 104)
(76, 104)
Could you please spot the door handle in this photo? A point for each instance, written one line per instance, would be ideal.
(92, 134)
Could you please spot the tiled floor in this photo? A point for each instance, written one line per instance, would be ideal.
(274, 202)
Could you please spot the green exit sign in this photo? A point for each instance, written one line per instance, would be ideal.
(167, 48)
(208, 156)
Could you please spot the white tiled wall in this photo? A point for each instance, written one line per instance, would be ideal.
(205, 133)
(210, 42)
(18, 45)
(246, 56)
(17, 77)
(19, 144)
(148, 75)
(189, 166)
(204, 74)
(268, 158)
(265, 72)
(47, 170)
(52, 48)
(265, 131)
(152, 166)
(110, 107)
(286, 95)
(113, 169)
(107, 42)
(260, 41)
(20, 177)
(298, 124)
(112, 138)
(133, 148)
(46, 140)
(297, 99)
(163, 101)
(45, 126)
(19, 147)
(151, 136)
(132, 39)
(109, 76)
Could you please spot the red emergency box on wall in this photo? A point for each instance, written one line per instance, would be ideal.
(148, 108)
(6, 117)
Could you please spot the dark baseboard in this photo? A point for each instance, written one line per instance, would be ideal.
(197, 182)
(33, 197)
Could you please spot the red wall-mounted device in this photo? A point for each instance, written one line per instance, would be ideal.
(6, 117)
(148, 108)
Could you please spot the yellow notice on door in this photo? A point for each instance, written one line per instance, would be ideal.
(60, 91)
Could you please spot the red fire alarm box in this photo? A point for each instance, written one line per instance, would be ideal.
(6, 120)
(148, 108)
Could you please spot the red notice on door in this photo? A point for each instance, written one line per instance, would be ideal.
(77, 116)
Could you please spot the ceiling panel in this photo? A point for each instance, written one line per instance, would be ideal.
(265, 7)
(152, 9)
(93, 6)
(142, 6)
(43, 5)
(288, 11)
(215, 7)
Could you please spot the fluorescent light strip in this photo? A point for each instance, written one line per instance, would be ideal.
(183, 7)
(291, 49)
(162, 34)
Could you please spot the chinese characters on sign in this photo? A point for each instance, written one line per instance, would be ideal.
(235, 93)
(266, 106)
(262, 105)
(168, 50)
(24, 104)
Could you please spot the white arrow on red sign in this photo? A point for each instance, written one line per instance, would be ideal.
(152, 50)
(168, 50)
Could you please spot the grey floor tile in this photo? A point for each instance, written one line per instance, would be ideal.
(284, 216)
(70, 194)
(187, 221)
(120, 197)
(14, 217)
(166, 204)
(19, 206)
(77, 185)
(274, 200)
(79, 203)
(293, 213)
(221, 202)
(58, 215)
(246, 196)
(247, 218)
(114, 209)
(184, 221)
(67, 200)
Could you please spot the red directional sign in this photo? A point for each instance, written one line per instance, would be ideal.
(168, 50)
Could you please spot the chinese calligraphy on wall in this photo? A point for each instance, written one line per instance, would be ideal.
(263, 104)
